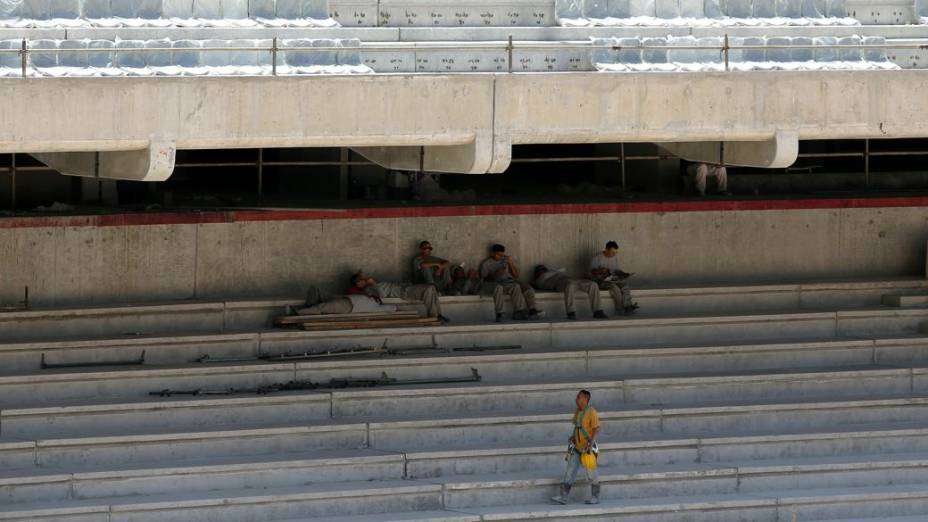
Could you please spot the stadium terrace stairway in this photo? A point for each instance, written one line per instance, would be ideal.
(761, 402)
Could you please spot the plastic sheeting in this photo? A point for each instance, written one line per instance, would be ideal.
(569, 9)
(164, 13)
(651, 21)
(182, 57)
(805, 54)
(702, 13)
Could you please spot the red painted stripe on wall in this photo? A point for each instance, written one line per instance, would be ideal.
(240, 216)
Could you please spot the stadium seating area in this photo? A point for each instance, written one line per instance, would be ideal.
(164, 13)
(769, 403)
(364, 36)
(182, 57)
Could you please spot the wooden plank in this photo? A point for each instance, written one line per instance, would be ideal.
(426, 321)
(300, 319)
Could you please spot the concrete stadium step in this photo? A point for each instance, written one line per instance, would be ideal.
(431, 433)
(418, 516)
(905, 300)
(239, 315)
(114, 479)
(18, 357)
(233, 472)
(854, 441)
(335, 466)
(689, 479)
(316, 500)
(415, 402)
(771, 506)
(386, 497)
(177, 316)
(49, 389)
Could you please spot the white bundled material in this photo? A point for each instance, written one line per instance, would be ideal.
(569, 9)
(789, 8)
(702, 13)
(11, 9)
(602, 54)
(101, 57)
(637, 8)
(874, 54)
(692, 9)
(765, 9)
(813, 8)
(740, 8)
(713, 9)
(850, 54)
(667, 8)
(651, 21)
(778, 55)
(42, 53)
(64, 9)
(802, 52)
(836, 8)
(687, 55)
(797, 57)
(598, 8)
(651, 51)
(9, 62)
(825, 53)
(164, 13)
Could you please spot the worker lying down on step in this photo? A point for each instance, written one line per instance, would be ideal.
(363, 285)
(365, 295)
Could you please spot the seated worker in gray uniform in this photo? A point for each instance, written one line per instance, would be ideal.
(468, 282)
(604, 269)
(427, 294)
(501, 269)
(559, 281)
(431, 270)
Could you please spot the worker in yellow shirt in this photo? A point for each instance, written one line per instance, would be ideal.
(582, 451)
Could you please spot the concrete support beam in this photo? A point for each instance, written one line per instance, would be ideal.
(778, 152)
(155, 163)
(485, 155)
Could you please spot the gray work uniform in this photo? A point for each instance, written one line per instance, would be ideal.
(521, 294)
(430, 276)
(560, 282)
(427, 294)
(317, 304)
(468, 286)
(619, 290)
(347, 305)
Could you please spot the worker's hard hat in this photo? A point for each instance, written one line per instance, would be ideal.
(588, 460)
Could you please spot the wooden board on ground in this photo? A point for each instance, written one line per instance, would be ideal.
(296, 320)
(357, 325)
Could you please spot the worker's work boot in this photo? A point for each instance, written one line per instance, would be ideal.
(594, 499)
(572, 316)
(535, 315)
(499, 318)
(599, 314)
(562, 497)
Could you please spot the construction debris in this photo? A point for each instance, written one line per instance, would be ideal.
(333, 384)
(356, 321)
(382, 351)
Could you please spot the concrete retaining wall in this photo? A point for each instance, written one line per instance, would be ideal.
(259, 256)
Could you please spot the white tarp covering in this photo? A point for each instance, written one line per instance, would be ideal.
(795, 58)
(702, 13)
(164, 57)
(164, 13)
(651, 21)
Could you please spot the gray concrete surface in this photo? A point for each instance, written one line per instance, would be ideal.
(467, 122)
(64, 266)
